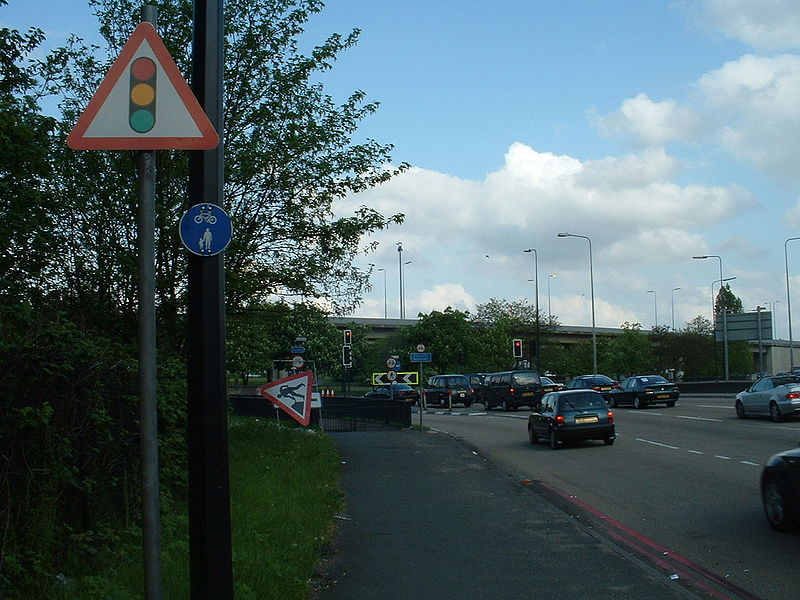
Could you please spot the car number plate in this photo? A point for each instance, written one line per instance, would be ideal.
(587, 419)
(527, 393)
(663, 396)
(605, 388)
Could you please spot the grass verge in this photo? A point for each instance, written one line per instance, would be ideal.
(285, 492)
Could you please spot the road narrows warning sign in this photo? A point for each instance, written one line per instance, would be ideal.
(143, 103)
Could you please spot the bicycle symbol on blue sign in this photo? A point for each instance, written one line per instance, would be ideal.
(206, 229)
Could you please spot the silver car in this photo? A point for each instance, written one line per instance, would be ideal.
(777, 397)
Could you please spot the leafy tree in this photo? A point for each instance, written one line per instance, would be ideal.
(725, 297)
(630, 352)
(448, 335)
(289, 156)
(700, 326)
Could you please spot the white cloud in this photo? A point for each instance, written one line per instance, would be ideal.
(757, 97)
(765, 24)
(652, 123)
(440, 297)
(792, 216)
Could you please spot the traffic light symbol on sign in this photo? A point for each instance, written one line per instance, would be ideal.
(347, 356)
(348, 337)
(142, 105)
(517, 348)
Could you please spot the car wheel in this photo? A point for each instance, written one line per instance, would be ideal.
(506, 406)
(775, 507)
(612, 402)
(532, 436)
(486, 405)
(774, 412)
(608, 441)
(671, 403)
(639, 402)
(553, 439)
(467, 404)
(740, 412)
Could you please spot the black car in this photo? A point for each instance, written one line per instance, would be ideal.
(446, 390)
(512, 389)
(780, 490)
(395, 391)
(643, 390)
(597, 382)
(571, 415)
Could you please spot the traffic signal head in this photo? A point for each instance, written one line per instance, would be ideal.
(517, 344)
(348, 337)
(142, 99)
(347, 356)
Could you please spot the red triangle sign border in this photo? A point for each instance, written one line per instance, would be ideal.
(144, 32)
(267, 389)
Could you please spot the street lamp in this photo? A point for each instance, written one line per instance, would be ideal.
(673, 306)
(536, 287)
(591, 289)
(655, 307)
(549, 312)
(400, 270)
(724, 311)
(789, 300)
(402, 267)
(385, 301)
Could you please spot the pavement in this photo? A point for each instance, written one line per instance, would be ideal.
(428, 518)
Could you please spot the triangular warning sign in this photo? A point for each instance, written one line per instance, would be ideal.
(143, 104)
(292, 395)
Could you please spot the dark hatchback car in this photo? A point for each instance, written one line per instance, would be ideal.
(643, 390)
(447, 390)
(597, 382)
(572, 415)
(780, 490)
(395, 391)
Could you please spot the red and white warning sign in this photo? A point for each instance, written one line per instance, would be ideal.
(143, 103)
(292, 395)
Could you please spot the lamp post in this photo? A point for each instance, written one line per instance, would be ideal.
(385, 302)
(591, 289)
(655, 307)
(789, 300)
(724, 311)
(400, 271)
(771, 306)
(536, 288)
(549, 312)
(673, 306)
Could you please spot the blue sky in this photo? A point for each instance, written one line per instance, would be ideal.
(660, 129)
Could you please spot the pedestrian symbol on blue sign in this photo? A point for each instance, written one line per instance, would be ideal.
(206, 229)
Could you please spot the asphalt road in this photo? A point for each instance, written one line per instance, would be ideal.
(681, 484)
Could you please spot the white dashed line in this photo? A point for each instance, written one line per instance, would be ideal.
(657, 444)
(747, 462)
(722, 457)
(695, 452)
(700, 419)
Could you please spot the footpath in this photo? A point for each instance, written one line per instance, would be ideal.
(428, 518)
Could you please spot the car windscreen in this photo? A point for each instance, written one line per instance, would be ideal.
(577, 402)
(652, 380)
(457, 382)
(526, 378)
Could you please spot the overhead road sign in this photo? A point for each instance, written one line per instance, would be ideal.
(292, 395)
(411, 378)
(143, 103)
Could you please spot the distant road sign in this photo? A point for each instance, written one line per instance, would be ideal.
(206, 229)
(420, 347)
(298, 350)
(298, 362)
(411, 378)
(420, 357)
(391, 362)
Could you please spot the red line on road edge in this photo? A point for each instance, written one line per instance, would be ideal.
(653, 548)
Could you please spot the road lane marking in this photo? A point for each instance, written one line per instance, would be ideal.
(714, 406)
(695, 452)
(699, 419)
(747, 462)
(722, 457)
(657, 444)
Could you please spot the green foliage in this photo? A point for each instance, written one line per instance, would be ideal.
(448, 335)
(731, 302)
(631, 352)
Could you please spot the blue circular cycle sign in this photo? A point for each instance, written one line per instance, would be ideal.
(206, 229)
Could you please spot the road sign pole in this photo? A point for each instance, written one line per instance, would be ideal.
(148, 402)
(210, 555)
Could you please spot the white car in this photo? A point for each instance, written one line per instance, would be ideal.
(776, 396)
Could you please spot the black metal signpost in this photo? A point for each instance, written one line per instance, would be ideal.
(210, 562)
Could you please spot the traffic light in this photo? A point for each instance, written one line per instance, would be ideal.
(142, 105)
(347, 356)
(517, 348)
(348, 337)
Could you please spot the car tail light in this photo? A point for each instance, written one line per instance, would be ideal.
(793, 395)
(511, 390)
(559, 419)
(611, 416)
(596, 388)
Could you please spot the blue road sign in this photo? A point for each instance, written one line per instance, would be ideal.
(298, 349)
(206, 229)
(420, 357)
